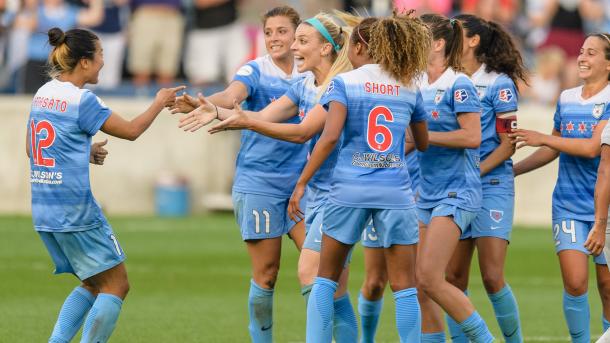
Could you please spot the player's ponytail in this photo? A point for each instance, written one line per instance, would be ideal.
(68, 49)
(496, 47)
(400, 45)
(339, 38)
(449, 30)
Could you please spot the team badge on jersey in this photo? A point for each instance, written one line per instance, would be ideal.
(439, 96)
(496, 215)
(245, 71)
(506, 95)
(460, 95)
(435, 115)
(481, 91)
(598, 110)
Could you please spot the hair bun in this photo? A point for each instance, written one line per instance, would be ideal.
(56, 36)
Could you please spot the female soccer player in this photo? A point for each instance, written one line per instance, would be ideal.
(319, 48)
(450, 185)
(580, 118)
(371, 108)
(495, 65)
(63, 118)
(266, 168)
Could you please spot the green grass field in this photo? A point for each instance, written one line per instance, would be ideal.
(190, 277)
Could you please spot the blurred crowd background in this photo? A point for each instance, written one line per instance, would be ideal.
(153, 43)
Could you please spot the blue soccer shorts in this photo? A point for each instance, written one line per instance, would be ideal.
(262, 216)
(83, 253)
(495, 218)
(571, 234)
(462, 218)
(392, 227)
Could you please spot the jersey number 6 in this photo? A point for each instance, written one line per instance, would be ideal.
(378, 136)
(37, 145)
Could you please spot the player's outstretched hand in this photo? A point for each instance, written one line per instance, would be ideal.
(596, 239)
(523, 138)
(167, 96)
(184, 104)
(199, 117)
(98, 153)
(294, 205)
(237, 121)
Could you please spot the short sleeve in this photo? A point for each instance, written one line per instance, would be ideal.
(606, 135)
(465, 96)
(249, 74)
(334, 92)
(295, 91)
(557, 117)
(504, 95)
(92, 113)
(419, 112)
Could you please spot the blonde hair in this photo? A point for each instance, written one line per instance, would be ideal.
(340, 35)
(400, 45)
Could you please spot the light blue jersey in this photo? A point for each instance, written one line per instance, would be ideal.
(371, 171)
(413, 166)
(498, 94)
(449, 176)
(577, 118)
(304, 95)
(63, 118)
(267, 166)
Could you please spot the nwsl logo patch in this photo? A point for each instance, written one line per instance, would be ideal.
(439, 96)
(330, 88)
(460, 95)
(496, 215)
(598, 110)
(505, 95)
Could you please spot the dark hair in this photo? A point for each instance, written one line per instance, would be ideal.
(283, 11)
(400, 45)
(496, 47)
(605, 37)
(362, 32)
(69, 48)
(450, 31)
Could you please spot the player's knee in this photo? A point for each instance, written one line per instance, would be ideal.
(307, 274)
(427, 281)
(457, 278)
(493, 282)
(267, 276)
(373, 287)
(575, 287)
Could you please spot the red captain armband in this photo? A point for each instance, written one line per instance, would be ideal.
(506, 122)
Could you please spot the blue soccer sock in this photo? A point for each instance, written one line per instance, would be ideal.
(102, 318)
(305, 292)
(457, 336)
(369, 317)
(72, 315)
(605, 323)
(408, 315)
(320, 310)
(576, 312)
(345, 325)
(260, 309)
(507, 314)
(433, 337)
(476, 330)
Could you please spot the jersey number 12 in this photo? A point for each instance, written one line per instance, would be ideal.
(37, 144)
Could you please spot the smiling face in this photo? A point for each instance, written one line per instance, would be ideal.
(309, 48)
(592, 62)
(279, 36)
(91, 67)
